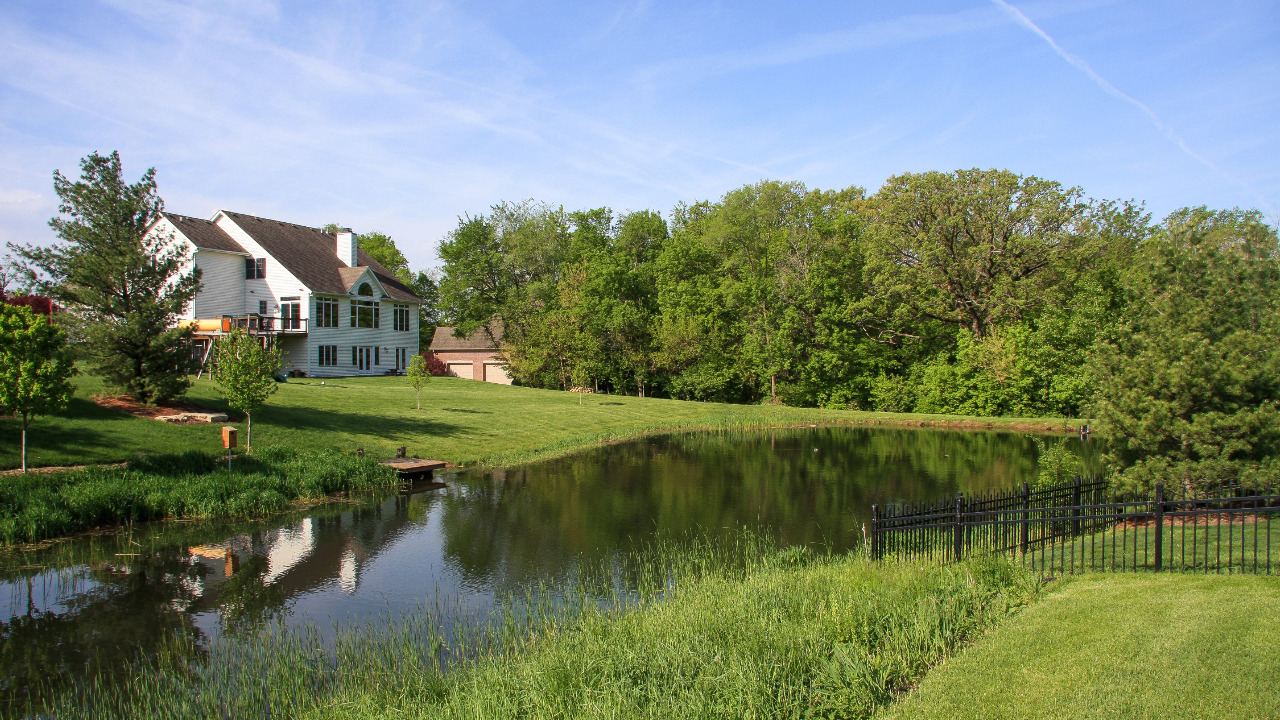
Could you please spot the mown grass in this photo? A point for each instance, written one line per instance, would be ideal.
(696, 632)
(462, 422)
(194, 484)
(1120, 646)
(1246, 543)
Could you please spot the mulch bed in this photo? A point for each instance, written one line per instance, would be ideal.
(126, 404)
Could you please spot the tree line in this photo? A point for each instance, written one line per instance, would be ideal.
(974, 292)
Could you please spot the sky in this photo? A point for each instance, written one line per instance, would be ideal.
(402, 117)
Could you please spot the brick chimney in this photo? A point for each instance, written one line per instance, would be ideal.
(347, 246)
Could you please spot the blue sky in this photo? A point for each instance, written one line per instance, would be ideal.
(402, 116)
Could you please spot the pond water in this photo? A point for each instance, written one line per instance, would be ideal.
(84, 605)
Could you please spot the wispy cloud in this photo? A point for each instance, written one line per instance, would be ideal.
(811, 46)
(1080, 64)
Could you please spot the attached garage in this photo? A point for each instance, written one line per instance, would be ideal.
(496, 373)
(463, 370)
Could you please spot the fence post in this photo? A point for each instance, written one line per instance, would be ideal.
(1026, 517)
(875, 532)
(1159, 526)
(1075, 512)
(959, 540)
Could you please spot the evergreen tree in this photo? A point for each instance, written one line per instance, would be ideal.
(35, 367)
(123, 285)
(1189, 386)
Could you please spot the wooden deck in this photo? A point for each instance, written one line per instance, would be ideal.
(414, 468)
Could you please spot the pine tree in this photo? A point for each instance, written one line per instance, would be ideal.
(123, 286)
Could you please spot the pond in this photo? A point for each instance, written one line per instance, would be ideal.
(85, 605)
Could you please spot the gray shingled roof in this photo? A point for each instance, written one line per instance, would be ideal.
(311, 256)
(444, 339)
(205, 234)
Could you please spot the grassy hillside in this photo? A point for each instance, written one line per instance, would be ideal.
(461, 421)
(1111, 646)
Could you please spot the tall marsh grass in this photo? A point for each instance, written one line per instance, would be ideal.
(193, 484)
(681, 630)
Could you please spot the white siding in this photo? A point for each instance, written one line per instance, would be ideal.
(221, 284)
(165, 228)
(279, 281)
(295, 354)
(384, 337)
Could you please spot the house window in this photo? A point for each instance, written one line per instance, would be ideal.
(255, 269)
(328, 355)
(401, 317)
(377, 355)
(262, 307)
(364, 313)
(290, 316)
(327, 312)
(362, 357)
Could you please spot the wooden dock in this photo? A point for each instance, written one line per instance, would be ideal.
(414, 468)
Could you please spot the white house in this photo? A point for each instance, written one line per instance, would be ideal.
(333, 309)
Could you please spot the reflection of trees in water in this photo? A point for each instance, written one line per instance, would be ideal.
(128, 612)
(501, 531)
(809, 486)
(111, 612)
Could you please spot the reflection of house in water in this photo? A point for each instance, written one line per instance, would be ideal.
(303, 557)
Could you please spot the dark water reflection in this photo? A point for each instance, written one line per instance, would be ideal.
(83, 606)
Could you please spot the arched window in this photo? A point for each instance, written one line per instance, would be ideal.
(365, 289)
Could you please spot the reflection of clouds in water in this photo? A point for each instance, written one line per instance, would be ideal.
(47, 591)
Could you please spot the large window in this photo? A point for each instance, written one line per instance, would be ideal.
(328, 355)
(255, 269)
(400, 316)
(326, 313)
(364, 313)
(290, 316)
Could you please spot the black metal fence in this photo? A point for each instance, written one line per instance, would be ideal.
(1081, 525)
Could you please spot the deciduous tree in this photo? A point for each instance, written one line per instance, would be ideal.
(973, 248)
(246, 370)
(419, 374)
(35, 367)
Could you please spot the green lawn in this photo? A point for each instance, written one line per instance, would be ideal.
(1120, 646)
(462, 421)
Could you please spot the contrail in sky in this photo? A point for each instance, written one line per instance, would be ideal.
(1114, 91)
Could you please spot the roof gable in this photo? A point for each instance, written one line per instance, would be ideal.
(311, 255)
(204, 234)
(352, 277)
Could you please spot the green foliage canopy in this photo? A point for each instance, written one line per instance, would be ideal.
(35, 367)
(122, 284)
(419, 375)
(1189, 385)
(245, 370)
